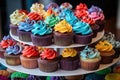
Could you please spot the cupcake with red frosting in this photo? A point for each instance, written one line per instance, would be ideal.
(97, 15)
(29, 57)
(15, 18)
(69, 59)
(12, 55)
(48, 61)
(5, 43)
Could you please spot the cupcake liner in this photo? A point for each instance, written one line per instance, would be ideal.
(24, 36)
(117, 52)
(101, 24)
(29, 63)
(77, 77)
(2, 53)
(95, 29)
(83, 39)
(63, 39)
(106, 59)
(48, 65)
(13, 60)
(13, 29)
(42, 40)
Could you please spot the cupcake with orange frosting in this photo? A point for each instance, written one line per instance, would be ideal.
(48, 61)
(90, 58)
(106, 51)
(63, 34)
(41, 34)
(69, 59)
(29, 57)
(15, 18)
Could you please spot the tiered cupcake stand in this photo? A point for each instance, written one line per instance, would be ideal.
(58, 72)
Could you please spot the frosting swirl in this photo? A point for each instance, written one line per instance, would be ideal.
(69, 52)
(38, 8)
(81, 6)
(117, 44)
(34, 16)
(40, 28)
(30, 51)
(81, 13)
(7, 43)
(66, 5)
(63, 27)
(52, 20)
(18, 16)
(96, 13)
(87, 19)
(104, 46)
(89, 53)
(26, 26)
(7, 37)
(15, 49)
(52, 4)
(81, 28)
(48, 54)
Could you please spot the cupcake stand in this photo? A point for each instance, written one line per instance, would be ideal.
(58, 72)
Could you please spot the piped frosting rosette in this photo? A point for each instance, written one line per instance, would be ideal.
(30, 51)
(52, 20)
(89, 53)
(15, 49)
(96, 13)
(27, 25)
(49, 54)
(18, 16)
(40, 28)
(38, 8)
(65, 5)
(69, 52)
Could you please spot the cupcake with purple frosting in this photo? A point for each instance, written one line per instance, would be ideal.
(97, 15)
(41, 34)
(12, 55)
(24, 30)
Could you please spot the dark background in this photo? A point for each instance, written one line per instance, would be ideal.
(8, 6)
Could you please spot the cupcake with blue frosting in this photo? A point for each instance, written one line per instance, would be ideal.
(24, 30)
(12, 55)
(41, 34)
(90, 58)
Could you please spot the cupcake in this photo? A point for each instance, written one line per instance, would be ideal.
(83, 32)
(97, 15)
(104, 71)
(37, 8)
(94, 77)
(41, 34)
(77, 77)
(12, 55)
(112, 76)
(51, 20)
(5, 43)
(106, 51)
(90, 58)
(63, 34)
(4, 73)
(24, 30)
(29, 57)
(18, 76)
(69, 59)
(15, 18)
(48, 61)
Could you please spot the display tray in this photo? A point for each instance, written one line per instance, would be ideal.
(99, 36)
(58, 72)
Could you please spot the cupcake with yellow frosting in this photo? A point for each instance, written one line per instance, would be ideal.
(63, 34)
(15, 18)
(69, 59)
(106, 51)
(90, 58)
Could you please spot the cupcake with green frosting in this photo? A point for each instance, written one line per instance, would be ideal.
(90, 58)
(18, 76)
(104, 71)
(41, 34)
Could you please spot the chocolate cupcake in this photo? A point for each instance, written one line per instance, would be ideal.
(63, 34)
(12, 55)
(48, 61)
(90, 58)
(29, 57)
(41, 34)
(24, 30)
(106, 52)
(69, 59)
(16, 17)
